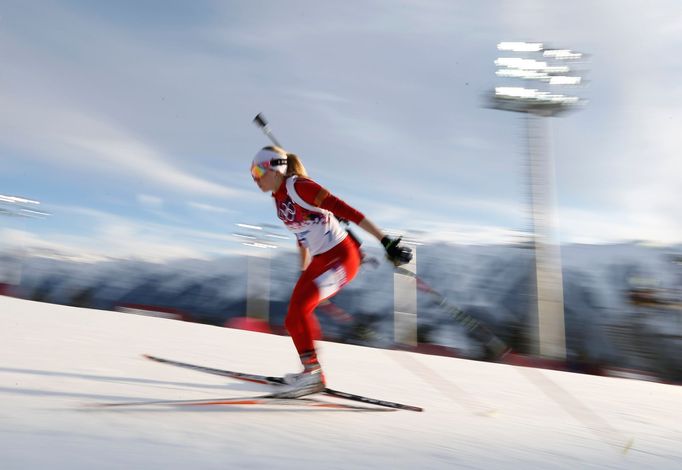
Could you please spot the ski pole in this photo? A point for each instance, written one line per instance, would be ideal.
(475, 328)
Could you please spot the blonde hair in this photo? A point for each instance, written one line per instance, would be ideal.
(294, 164)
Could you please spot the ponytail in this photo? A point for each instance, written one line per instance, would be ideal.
(294, 166)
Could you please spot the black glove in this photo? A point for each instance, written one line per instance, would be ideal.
(395, 253)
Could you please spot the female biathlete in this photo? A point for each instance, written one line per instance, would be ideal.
(330, 258)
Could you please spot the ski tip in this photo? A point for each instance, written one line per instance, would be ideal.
(399, 406)
(99, 405)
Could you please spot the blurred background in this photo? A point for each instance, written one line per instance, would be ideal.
(127, 136)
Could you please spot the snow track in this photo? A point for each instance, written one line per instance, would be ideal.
(57, 359)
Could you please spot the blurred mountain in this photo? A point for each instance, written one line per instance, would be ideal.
(622, 302)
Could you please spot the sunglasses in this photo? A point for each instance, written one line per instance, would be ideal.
(259, 170)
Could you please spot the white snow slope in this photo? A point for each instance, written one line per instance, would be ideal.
(58, 360)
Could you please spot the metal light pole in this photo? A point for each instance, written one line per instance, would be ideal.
(405, 299)
(548, 68)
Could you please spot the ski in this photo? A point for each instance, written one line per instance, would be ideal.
(272, 380)
(263, 400)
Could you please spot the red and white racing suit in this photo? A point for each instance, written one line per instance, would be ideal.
(308, 210)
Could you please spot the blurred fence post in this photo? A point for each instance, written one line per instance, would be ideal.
(405, 304)
(258, 286)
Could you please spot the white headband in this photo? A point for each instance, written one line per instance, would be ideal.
(276, 161)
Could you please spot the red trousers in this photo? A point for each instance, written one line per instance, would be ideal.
(327, 273)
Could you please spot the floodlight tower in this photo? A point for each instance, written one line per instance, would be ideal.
(263, 239)
(15, 206)
(548, 68)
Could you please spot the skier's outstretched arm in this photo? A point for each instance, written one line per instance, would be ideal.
(369, 227)
(316, 195)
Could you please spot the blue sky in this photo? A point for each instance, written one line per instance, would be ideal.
(131, 121)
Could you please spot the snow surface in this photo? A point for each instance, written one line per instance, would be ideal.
(56, 360)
